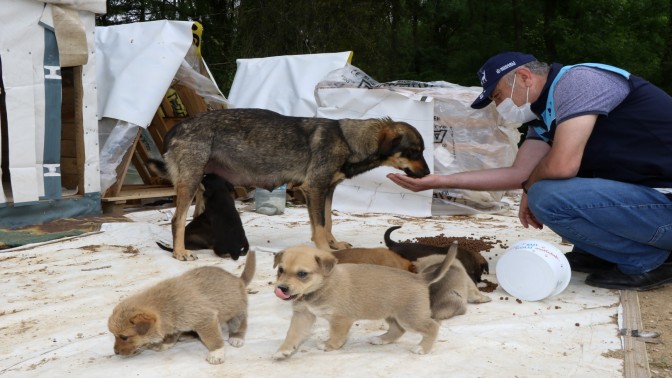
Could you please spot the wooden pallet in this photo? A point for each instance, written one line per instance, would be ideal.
(180, 102)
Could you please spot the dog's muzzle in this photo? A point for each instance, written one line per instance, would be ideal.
(412, 173)
(282, 292)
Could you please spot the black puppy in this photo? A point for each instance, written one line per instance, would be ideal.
(219, 226)
(473, 262)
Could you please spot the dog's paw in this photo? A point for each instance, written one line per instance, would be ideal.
(236, 342)
(419, 350)
(282, 355)
(184, 255)
(216, 356)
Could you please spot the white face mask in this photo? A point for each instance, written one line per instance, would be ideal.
(513, 113)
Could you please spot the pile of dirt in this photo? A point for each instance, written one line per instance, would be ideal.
(476, 245)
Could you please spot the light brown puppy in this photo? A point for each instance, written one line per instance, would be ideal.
(344, 293)
(376, 256)
(449, 295)
(200, 300)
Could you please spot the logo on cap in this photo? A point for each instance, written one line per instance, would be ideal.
(483, 79)
(507, 65)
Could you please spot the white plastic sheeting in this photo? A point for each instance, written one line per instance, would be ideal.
(54, 320)
(283, 84)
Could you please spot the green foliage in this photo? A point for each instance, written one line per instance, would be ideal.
(422, 40)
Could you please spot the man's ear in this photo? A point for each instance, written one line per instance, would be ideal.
(524, 76)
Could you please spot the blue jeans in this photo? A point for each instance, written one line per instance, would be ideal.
(627, 224)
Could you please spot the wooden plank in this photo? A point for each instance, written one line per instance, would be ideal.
(122, 169)
(79, 127)
(636, 364)
(141, 167)
(192, 102)
(132, 192)
(166, 107)
(68, 147)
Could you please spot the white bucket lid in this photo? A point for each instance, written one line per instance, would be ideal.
(533, 270)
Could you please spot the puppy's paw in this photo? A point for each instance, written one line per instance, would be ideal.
(377, 340)
(325, 347)
(328, 346)
(419, 350)
(339, 245)
(482, 299)
(282, 355)
(184, 255)
(216, 356)
(236, 341)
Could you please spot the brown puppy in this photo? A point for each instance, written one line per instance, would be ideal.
(200, 300)
(376, 256)
(344, 293)
(449, 295)
(474, 263)
(256, 147)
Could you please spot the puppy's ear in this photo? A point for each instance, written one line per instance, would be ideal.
(142, 322)
(277, 259)
(327, 263)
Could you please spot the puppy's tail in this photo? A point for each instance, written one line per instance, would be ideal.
(164, 246)
(434, 275)
(250, 266)
(388, 241)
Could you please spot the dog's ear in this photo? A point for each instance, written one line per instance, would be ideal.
(327, 263)
(389, 142)
(142, 322)
(277, 259)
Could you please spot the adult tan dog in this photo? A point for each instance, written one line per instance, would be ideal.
(200, 300)
(255, 147)
(344, 293)
(449, 295)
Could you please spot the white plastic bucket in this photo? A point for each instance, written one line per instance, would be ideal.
(533, 270)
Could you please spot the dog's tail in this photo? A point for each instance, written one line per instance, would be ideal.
(388, 241)
(250, 266)
(158, 167)
(434, 275)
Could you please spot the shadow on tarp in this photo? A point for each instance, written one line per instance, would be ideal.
(56, 229)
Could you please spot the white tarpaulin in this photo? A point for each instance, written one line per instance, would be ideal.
(136, 65)
(54, 317)
(283, 84)
(373, 192)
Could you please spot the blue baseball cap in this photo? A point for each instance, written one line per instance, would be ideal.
(494, 69)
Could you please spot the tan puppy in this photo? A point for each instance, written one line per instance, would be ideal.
(376, 256)
(344, 293)
(200, 300)
(449, 295)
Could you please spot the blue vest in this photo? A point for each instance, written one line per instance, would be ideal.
(548, 116)
(633, 143)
